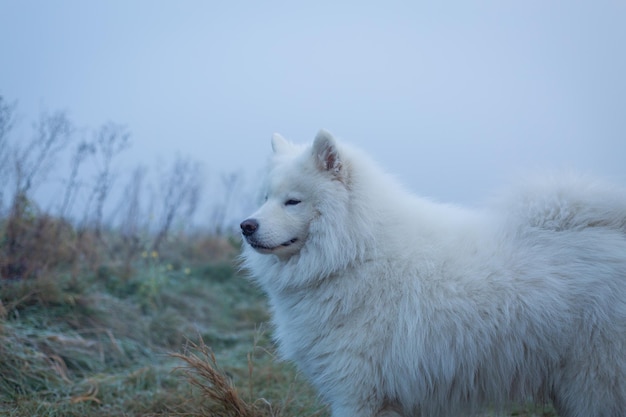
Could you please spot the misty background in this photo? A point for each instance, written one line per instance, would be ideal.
(455, 98)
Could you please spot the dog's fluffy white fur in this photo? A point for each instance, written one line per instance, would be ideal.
(393, 305)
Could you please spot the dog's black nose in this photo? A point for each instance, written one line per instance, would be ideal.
(249, 226)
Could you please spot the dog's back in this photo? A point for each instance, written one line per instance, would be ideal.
(573, 229)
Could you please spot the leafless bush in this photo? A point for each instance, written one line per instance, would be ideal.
(7, 121)
(52, 134)
(7, 118)
(222, 200)
(181, 193)
(131, 207)
(73, 185)
(131, 223)
(110, 140)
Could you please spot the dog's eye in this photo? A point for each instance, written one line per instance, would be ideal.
(292, 202)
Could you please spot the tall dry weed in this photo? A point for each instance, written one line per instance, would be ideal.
(215, 386)
(265, 391)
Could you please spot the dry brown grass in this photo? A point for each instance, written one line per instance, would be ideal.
(202, 372)
(222, 397)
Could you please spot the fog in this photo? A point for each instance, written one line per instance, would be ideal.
(454, 99)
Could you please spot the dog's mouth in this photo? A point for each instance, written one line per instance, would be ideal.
(263, 248)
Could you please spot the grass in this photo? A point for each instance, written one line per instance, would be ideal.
(171, 339)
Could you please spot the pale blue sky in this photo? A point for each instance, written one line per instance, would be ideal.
(452, 97)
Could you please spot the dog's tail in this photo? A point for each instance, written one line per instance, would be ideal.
(569, 202)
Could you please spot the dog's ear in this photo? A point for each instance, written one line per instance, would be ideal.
(279, 143)
(326, 153)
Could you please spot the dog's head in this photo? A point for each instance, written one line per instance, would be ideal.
(300, 183)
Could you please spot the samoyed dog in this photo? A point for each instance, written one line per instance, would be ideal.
(393, 305)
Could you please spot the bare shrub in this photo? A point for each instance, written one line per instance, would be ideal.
(110, 140)
(52, 134)
(32, 162)
(7, 118)
(181, 192)
(73, 185)
(34, 242)
(221, 202)
(7, 121)
(131, 223)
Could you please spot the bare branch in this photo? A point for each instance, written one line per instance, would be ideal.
(221, 205)
(82, 151)
(181, 192)
(110, 140)
(7, 121)
(52, 133)
(131, 206)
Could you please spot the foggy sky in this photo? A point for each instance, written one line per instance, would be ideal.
(453, 98)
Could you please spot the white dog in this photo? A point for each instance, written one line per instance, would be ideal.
(396, 306)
